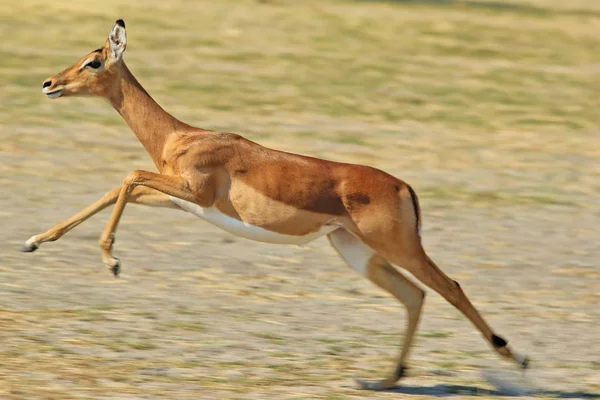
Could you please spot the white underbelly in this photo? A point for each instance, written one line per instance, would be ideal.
(245, 230)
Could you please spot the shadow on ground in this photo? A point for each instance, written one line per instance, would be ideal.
(444, 390)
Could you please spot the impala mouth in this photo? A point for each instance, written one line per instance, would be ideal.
(54, 94)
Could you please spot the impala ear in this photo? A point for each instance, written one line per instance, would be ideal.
(117, 40)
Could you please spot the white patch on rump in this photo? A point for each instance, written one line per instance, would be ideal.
(245, 230)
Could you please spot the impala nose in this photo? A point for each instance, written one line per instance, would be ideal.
(47, 83)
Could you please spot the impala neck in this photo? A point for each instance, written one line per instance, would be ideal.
(150, 123)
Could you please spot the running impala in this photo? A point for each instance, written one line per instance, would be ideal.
(371, 218)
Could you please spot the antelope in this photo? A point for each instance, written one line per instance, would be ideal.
(371, 218)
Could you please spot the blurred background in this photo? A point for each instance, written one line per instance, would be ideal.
(489, 109)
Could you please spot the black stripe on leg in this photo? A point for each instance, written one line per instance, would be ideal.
(417, 209)
(498, 341)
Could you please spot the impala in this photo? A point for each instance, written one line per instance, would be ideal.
(371, 218)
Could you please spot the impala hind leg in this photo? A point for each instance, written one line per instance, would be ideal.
(374, 267)
(141, 195)
(426, 271)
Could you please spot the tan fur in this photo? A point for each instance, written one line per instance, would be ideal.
(277, 191)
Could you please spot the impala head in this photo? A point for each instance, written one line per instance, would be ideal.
(93, 73)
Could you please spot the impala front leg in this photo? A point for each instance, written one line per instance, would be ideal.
(140, 195)
(175, 186)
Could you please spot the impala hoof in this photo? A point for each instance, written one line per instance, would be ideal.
(29, 247)
(114, 265)
(523, 360)
(116, 269)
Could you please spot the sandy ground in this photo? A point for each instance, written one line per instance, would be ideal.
(489, 110)
(198, 313)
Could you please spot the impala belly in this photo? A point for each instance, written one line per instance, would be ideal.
(249, 231)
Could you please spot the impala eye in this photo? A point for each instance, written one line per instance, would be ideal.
(94, 64)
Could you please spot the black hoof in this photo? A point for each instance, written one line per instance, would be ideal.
(525, 363)
(400, 371)
(29, 248)
(116, 269)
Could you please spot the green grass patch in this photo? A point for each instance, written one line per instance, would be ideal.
(435, 334)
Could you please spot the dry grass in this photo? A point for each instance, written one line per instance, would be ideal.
(494, 88)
